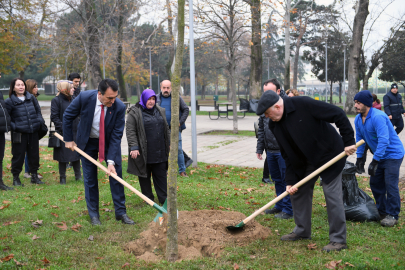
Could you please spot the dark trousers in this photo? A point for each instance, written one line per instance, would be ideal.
(76, 168)
(91, 183)
(302, 206)
(2, 147)
(384, 186)
(277, 172)
(398, 123)
(30, 145)
(159, 175)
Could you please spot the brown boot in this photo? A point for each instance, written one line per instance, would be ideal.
(293, 237)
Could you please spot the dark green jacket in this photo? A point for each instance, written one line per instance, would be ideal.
(137, 140)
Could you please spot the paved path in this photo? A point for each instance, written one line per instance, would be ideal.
(219, 149)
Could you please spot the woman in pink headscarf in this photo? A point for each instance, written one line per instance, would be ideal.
(148, 136)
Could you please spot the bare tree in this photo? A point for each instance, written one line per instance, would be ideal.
(223, 20)
(355, 54)
(256, 61)
(172, 230)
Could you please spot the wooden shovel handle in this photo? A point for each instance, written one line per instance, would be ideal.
(116, 177)
(300, 183)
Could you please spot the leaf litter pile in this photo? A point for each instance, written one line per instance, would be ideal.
(201, 233)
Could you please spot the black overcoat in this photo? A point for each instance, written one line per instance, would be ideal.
(58, 106)
(307, 121)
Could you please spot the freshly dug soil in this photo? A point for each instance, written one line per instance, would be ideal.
(200, 233)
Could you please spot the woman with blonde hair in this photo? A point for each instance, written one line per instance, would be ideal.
(292, 93)
(62, 154)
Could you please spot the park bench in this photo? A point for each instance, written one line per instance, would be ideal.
(207, 103)
(227, 112)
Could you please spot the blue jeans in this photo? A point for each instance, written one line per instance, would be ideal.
(277, 172)
(27, 168)
(384, 186)
(180, 160)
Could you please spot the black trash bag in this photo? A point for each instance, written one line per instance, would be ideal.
(358, 205)
(253, 104)
(244, 104)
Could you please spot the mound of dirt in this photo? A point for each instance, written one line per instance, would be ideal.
(200, 233)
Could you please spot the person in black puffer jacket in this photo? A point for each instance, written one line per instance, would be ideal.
(393, 108)
(5, 126)
(26, 120)
(62, 154)
(266, 141)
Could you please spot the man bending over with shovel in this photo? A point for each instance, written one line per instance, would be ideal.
(307, 141)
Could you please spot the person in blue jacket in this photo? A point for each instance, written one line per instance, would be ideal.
(375, 128)
(99, 134)
(393, 108)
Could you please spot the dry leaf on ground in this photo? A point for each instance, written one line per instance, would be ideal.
(61, 225)
(333, 264)
(76, 227)
(7, 258)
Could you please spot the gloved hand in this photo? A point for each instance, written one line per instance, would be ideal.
(372, 168)
(360, 165)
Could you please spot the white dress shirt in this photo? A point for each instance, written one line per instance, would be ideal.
(95, 127)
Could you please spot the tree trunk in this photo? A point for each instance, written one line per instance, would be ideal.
(172, 229)
(295, 68)
(216, 86)
(228, 95)
(93, 43)
(203, 91)
(138, 90)
(233, 91)
(256, 51)
(354, 54)
(120, 76)
(340, 92)
(303, 29)
(21, 74)
(171, 50)
(331, 93)
(287, 47)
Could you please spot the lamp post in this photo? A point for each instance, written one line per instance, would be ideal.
(326, 70)
(344, 76)
(150, 69)
(192, 86)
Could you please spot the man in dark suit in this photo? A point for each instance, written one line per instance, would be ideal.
(307, 141)
(98, 111)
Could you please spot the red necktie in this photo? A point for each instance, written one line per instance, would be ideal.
(101, 139)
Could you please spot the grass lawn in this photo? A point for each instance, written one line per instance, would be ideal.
(209, 187)
(230, 133)
(44, 97)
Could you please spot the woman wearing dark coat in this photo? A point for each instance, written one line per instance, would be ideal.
(62, 154)
(148, 138)
(26, 121)
(5, 126)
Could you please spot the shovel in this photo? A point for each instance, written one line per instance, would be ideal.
(285, 193)
(116, 177)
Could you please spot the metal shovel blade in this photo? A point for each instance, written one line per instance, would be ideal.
(161, 209)
(235, 228)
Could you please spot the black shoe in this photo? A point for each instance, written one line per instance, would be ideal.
(267, 180)
(35, 179)
(95, 221)
(283, 215)
(4, 187)
(272, 211)
(79, 178)
(125, 219)
(17, 181)
(63, 180)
